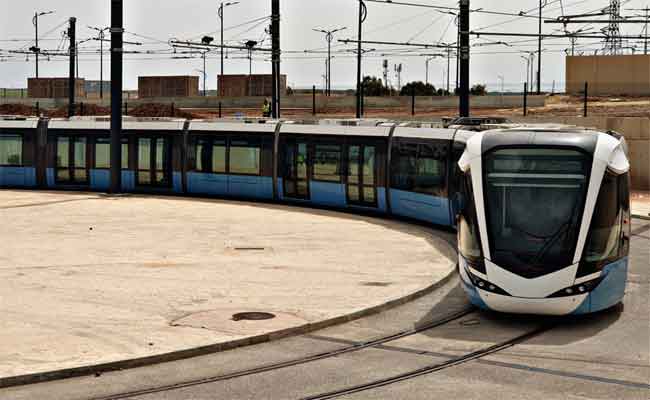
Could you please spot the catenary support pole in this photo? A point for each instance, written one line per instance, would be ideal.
(117, 32)
(275, 58)
(36, 41)
(313, 100)
(362, 16)
(539, 52)
(72, 34)
(464, 56)
(101, 64)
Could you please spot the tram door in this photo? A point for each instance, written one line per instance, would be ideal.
(71, 165)
(154, 162)
(296, 179)
(362, 175)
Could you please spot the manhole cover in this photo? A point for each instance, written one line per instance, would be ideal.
(376, 284)
(252, 316)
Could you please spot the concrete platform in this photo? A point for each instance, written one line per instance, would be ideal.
(88, 279)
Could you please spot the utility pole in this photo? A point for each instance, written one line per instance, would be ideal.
(363, 13)
(385, 73)
(205, 75)
(527, 70)
(448, 68)
(250, 45)
(100, 36)
(426, 63)
(539, 51)
(36, 49)
(329, 36)
(646, 15)
(275, 58)
(221, 7)
(72, 82)
(117, 37)
(464, 56)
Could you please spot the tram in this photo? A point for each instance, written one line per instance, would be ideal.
(542, 215)
(545, 228)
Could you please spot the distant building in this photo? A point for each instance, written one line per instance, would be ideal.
(53, 88)
(249, 85)
(168, 86)
(609, 75)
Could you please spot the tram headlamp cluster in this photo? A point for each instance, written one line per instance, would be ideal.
(576, 290)
(485, 285)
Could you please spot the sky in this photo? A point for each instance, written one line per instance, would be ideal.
(155, 22)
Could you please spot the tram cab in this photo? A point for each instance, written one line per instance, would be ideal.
(545, 223)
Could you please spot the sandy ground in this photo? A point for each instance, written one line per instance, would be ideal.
(86, 279)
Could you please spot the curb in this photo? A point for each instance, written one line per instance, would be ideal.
(644, 217)
(68, 373)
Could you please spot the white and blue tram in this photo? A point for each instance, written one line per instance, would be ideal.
(542, 216)
(545, 228)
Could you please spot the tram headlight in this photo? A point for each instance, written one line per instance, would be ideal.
(582, 288)
(485, 285)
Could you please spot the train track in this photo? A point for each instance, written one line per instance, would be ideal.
(430, 368)
(298, 361)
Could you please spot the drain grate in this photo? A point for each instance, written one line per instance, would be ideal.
(252, 316)
(250, 248)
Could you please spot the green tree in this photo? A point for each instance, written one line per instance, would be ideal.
(373, 86)
(478, 90)
(420, 88)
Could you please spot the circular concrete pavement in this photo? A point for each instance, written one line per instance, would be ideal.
(88, 279)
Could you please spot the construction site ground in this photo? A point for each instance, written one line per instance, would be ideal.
(558, 105)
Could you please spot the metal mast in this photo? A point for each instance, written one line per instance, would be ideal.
(613, 41)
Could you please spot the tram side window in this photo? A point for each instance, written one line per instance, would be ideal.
(605, 234)
(11, 150)
(327, 163)
(245, 156)
(418, 168)
(103, 153)
(210, 156)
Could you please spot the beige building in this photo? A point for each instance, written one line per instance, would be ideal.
(609, 75)
(54, 88)
(168, 86)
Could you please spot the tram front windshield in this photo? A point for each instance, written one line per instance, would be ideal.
(534, 202)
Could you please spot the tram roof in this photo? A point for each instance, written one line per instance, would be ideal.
(10, 122)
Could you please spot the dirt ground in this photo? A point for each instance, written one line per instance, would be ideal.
(558, 105)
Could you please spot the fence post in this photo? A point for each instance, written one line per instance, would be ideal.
(525, 99)
(38, 109)
(5, 93)
(81, 108)
(126, 108)
(586, 98)
(313, 100)
(22, 93)
(413, 101)
(363, 100)
(173, 109)
(219, 109)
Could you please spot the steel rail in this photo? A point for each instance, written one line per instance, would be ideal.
(299, 361)
(432, 368)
